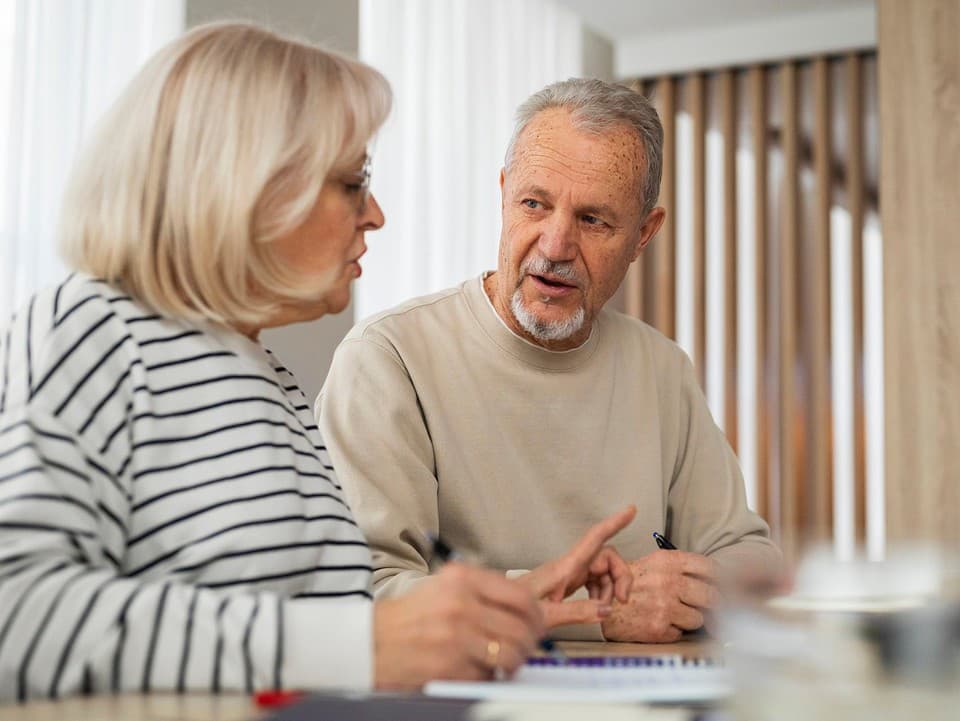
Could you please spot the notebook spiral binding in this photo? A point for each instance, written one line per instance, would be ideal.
(663, 661)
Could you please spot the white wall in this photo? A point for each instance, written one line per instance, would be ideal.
(742, 41)
(331, 22)
(305, 348)
(598, 55)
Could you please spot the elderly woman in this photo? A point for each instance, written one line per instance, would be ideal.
(169, 517)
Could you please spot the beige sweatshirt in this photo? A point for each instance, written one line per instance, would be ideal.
(440, 419)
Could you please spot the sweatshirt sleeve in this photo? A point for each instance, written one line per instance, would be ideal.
(707, 507)
(71, 621)
(387, 471)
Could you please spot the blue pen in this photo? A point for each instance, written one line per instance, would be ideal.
(442, 552)
(663, 542)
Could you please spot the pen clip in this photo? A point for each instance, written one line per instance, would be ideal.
(663, 542)
(441, 552)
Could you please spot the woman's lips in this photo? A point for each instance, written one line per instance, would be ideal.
(355, 264)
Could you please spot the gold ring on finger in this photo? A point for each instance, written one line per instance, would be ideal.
(493, 653)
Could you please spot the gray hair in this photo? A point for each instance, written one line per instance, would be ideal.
(596, 106)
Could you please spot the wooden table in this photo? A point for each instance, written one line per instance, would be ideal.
(239, 707)
(692, 648)
(137, 707)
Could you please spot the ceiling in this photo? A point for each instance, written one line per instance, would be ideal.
(621, 19)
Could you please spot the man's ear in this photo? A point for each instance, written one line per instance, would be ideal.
(651, 225)
(503, 178)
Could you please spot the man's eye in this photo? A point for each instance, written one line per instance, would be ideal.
(531, 203)
(591, 220)
(353, 187)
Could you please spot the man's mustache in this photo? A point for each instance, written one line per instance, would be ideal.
(563, 270)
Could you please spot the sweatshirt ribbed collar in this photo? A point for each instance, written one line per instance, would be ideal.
(497, 331)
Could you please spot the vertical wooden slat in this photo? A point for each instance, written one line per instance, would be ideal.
(697, 104)
(634, 291)
(758, 121)
(652, 261)
(854, 83)
(728, 111)
(817, 315)
(665, 319)
(651, 269)
(790, 498)
(634, 281)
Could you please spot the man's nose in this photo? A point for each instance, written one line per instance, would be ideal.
(558, 238)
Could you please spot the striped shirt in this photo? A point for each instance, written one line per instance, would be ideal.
(169, 516)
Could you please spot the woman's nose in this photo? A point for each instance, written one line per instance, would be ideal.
(372, 217)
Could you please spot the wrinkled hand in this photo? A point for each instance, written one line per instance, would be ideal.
(588, 563)
(444, 628)
(671, 592)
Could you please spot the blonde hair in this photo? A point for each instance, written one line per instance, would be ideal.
(219, 146)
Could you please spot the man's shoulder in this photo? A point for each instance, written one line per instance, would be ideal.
(633, 332)
(414, 317)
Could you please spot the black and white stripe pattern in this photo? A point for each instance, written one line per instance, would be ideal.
(165, 501)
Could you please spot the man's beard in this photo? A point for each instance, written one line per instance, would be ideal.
(542, 330)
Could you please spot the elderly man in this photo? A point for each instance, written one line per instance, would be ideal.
(511, 412)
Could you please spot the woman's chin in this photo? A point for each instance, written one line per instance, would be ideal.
(336, 301)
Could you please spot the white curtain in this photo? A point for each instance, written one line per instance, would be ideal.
(61, 65)
(458, 68)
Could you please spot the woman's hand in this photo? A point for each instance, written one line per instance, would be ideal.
(589, 563)
(463, 623)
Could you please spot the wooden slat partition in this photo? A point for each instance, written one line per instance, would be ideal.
(634, 289)
(790, 429)
(728, 122)
(816, 316)
(651, 260)
(793, 449)
(634, 280)
(664, 318)
(758, 120)
(854, 190)
(696, 102)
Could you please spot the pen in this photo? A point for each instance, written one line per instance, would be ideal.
(663, 542)
(443, 552)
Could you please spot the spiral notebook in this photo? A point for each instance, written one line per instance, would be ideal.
(641, 679)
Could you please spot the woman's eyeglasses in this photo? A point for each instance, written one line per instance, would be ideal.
(358, 184)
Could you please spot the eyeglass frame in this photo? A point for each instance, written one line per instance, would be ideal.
(362, 180)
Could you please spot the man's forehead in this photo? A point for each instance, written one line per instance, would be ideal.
(551, 141)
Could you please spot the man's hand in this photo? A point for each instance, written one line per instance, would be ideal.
(463, 623)
(670, 593)
(588, 563)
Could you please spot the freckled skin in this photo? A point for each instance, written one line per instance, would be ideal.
(570, 196)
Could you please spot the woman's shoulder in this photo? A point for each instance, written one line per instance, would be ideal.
(50, 332)
(82, 309)
(74, 303)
